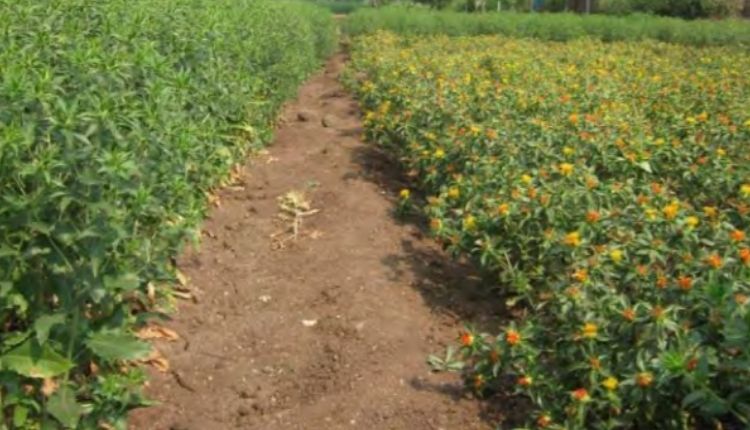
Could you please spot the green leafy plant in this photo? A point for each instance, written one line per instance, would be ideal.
(118, 119)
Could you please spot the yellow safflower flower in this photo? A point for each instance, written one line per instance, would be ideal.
(572, 239)
(610, 383)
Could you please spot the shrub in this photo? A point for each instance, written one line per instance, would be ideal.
(117, 119)
(607, 186)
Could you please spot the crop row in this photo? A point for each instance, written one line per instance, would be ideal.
(549, 26)
(117, 120)
(607, 186)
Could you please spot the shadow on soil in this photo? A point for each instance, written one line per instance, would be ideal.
(453, 287)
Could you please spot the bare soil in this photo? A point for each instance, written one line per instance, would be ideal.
(328, 330)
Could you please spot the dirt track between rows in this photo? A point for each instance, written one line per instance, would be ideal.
(329, 330)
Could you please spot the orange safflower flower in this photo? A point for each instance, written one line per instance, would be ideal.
(466, 339)
(685, 283)
(573, 118)
(435, 224)
(544, 421)
(745, 256)
(656, 188)
(661, 282)
(593, 216)
(503, 209)
(641, 269)
(581, 395)
(628, 314)
(512, 337)
(525, 381)
(580, 275)
(644, 379)
(714, 260)
(737, 235)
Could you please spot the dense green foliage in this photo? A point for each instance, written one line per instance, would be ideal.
(117, 119)
(562, 26)
(607, 187)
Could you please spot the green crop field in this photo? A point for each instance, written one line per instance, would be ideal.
(117, 119)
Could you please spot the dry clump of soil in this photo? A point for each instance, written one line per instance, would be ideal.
(316, 308)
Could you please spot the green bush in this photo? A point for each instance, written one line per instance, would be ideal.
(558, 26)
(117, 119)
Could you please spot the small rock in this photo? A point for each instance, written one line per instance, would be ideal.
(329, 121)
(265, 298)
(309, 323)
(304, 116)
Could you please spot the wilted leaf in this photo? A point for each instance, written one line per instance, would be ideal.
(157, 332)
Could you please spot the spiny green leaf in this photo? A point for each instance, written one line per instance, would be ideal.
(114, 345)
(35, 361)
(43, 325)
(64, 407)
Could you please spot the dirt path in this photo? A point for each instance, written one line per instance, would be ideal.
(332, 330)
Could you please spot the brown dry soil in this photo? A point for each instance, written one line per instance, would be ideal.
(330, 330)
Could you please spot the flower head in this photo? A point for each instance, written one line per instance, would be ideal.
(590, 330)
(525, 381)
(572, 239)
(714, 260)
(404, 194)
(745, 256)
(644, 379)
(512, 337)
(566, 169)
(685, 283)
(610, 383)
(692, 221)
(581, 395)
(737, 235)
(466, 339)
(615, 255)
(543, 421)
(670, 211)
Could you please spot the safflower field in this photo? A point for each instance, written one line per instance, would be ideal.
(606, 186)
